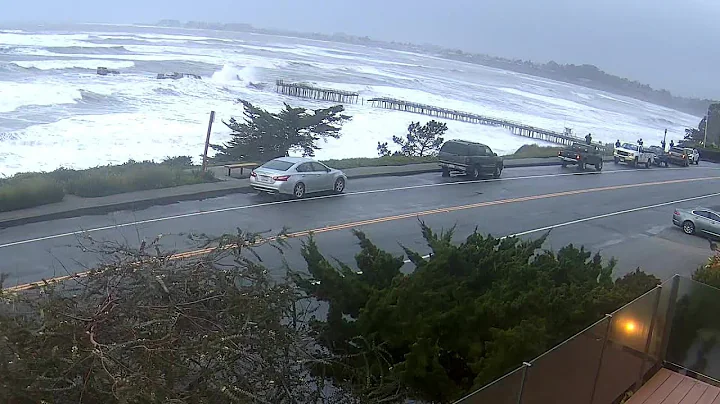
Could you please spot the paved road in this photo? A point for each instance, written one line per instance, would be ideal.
(620, 212)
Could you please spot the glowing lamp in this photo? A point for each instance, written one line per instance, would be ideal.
(630, 327)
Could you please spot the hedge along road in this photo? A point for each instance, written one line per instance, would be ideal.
(547, 197)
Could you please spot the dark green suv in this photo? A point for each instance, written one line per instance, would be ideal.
(469, 158)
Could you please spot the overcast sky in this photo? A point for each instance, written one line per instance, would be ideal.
(673, 44)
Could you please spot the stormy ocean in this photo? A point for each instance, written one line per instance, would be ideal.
(56, 111)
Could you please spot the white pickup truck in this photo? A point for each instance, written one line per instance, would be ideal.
(633, 155)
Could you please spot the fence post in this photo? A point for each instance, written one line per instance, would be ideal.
(602, 354)
(648, 341)
(675, 285)
(207, 140)
(526, 366)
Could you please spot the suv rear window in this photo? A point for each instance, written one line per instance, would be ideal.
(279, 165)
(677, 150)
(454, 148)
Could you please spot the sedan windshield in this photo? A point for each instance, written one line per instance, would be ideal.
(629, 146)
(279, 165)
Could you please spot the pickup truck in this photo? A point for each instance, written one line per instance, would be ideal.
(693, 155)
(469, 158)
(633, 155)
(582, 155)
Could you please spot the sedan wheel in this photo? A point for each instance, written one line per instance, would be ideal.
(688, 227)
(299, 190)
(339, 185)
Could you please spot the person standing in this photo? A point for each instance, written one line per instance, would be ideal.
(588, 138)
(640, 142)
(672, 144)
(617, 143)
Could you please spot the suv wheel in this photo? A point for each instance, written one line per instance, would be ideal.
(498, 172)
(599, 165)
(475, 173)
(445, 172)
(581, 166)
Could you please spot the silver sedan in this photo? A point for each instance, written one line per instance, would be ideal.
(296, 176)
(700, 220)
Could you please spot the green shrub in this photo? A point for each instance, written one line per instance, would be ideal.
(178, 161)
(467, 314)
(26, 191)
(132, 176)
(378, 161)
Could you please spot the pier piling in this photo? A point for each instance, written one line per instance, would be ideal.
(303, 90)
(516, 128)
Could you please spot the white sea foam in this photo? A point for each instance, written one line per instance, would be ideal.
(38, 40)
(91, 140)
(15, 95)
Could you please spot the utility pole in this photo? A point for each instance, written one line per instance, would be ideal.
(207, 140)
(707, 123)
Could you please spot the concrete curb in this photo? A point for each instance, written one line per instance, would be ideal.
(200, 195)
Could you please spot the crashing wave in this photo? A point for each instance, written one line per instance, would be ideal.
(109, 50)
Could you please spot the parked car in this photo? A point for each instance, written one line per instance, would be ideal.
(582, 155)
(469, 158)
(660, 158)
(693, 155)
(700, 220)
(296, 176)
(633, 155)
(679, 156)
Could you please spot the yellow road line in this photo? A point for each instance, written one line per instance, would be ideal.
(350, 225)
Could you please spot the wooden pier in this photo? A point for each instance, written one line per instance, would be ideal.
(516, 128)
(317, 93)
(347, 97)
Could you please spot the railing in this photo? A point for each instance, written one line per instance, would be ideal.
(677, 324)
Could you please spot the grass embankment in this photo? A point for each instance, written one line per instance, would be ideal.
(524, 152)
(26, 190)
(378, 161)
